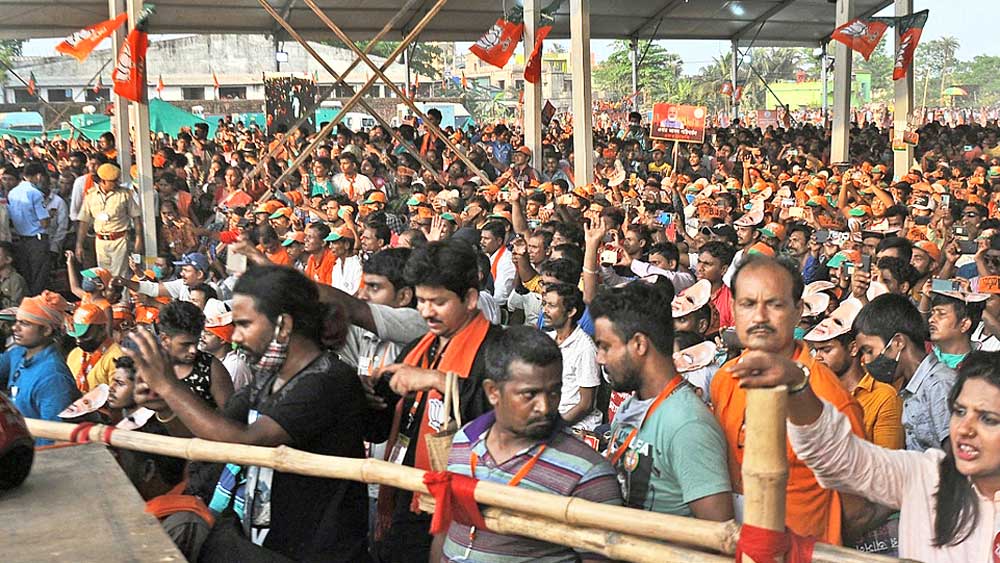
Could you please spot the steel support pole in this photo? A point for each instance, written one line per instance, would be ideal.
(734, 74)
(824, 77)
(532, 92)
(120, 121)
(903, 106)
(634, 55)
(143, 154)
(583, 110)
(840, 139)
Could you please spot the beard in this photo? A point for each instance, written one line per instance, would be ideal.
(541, 428)
(629, 379)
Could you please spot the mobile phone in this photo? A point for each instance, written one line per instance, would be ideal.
(967, 148)
(945, 285)
(788, 202)
(968, 246)
(945, 201)
(849, 268)
(609, 257)
(137, 258)
(922, 220)
(796, 212)
(729, 338)
(866, 264)
(822, 236)
(960, 232)
(664, 218)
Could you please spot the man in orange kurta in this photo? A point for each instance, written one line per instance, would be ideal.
(767, 306)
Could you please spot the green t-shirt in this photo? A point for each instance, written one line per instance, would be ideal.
(678, 456)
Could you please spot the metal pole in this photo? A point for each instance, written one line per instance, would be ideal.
(409, 81)
(734, 77)
(824, 63)
(583, 110)
(276, 48)
(120, 121)
(143, 153)
(840, 139)
(903, 106)
(634, 55)
(532, 92)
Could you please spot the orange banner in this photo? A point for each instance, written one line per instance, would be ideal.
(129, 75)
(80, 44)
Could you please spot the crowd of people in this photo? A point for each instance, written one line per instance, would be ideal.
(599, 336)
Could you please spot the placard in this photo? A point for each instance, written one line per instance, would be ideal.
(676, 122)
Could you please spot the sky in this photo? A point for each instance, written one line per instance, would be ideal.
(972, 22)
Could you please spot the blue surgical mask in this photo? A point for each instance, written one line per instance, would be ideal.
(157, 271)
(950, 360)
(799, 333)
(690, 198)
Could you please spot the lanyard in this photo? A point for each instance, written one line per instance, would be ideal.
(520, 475)
(425, 362)
(87, 363)
(667, 390)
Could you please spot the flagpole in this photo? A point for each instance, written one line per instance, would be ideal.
(42, 100)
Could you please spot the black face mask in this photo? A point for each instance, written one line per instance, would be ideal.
(883, 368)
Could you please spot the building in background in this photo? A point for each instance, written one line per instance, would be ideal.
(186, 66)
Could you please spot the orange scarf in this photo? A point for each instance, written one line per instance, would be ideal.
(496, 261)
(88, 182)
(458, 356)
(87, 363)
(174, 501)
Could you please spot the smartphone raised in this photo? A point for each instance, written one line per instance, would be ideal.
(866, 264)
(945, 285)
(968, 246)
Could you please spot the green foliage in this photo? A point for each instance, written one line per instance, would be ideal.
(983, 73)
(879, 65)
(9, 48)
(659, 74)
(425, 57)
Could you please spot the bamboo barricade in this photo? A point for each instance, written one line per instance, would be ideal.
(765, 463)
(617, 532)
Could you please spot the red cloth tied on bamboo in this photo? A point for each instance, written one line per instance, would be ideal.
(767, 546)
(454, 499)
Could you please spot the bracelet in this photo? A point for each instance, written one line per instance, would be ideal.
(805, 380)
(587, 270)
(173, 416)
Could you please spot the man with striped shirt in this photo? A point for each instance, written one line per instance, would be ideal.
(524, 443)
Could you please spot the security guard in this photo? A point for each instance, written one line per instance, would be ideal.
(111, 208)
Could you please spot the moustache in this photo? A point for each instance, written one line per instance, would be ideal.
(764, 327)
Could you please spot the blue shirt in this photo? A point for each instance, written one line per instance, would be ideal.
(27, 209)
(41, 386)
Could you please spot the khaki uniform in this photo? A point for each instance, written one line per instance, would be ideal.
(111, 215)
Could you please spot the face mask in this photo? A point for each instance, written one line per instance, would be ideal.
(88, 285)
(690, 198)
(157, 271)
(799, 333)
(275, 355)
(883, 368)
(950, 360)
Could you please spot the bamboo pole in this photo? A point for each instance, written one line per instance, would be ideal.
(392, 86)
(343, 112)
(765, 462)
(410, 4)
(621, 533)
(321, 135)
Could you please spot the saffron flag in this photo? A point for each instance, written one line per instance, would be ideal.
(32, 85)
(910, 28)
(215, 80)
(160, 85)
(82, 43)
(129, 75)
(726, 89)
(738, 94)
(533, 70)
(465, 83)
(98, 85)
(497, 45)
(862, 34)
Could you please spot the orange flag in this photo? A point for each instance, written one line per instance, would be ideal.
(159, 85)
(98, 85)
(80, 44)
(129, 75)
(533, 70)
(215, 80)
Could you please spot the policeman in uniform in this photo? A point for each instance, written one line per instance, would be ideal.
(110, 208)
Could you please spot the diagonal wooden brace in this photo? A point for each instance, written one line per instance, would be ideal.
(356, 98)
(392, 86)
(410, 4)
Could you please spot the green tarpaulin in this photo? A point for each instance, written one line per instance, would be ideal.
(163, 118)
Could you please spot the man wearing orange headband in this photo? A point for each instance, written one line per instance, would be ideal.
(32, 372)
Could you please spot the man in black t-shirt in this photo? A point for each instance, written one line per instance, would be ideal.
(302, 397)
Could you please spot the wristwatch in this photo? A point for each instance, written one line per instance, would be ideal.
(805, 380)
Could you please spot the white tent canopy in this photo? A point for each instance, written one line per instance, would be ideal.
(785, 22)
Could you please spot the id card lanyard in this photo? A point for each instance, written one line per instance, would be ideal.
(402, 444)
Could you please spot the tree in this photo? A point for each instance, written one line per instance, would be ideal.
(982, 76)
(659, 73)
(934, 60)
(425, 58)
(9, 48)
(879, 65)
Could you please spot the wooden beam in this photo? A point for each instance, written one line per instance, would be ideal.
(392, 86)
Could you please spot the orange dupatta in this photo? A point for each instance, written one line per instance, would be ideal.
(174, 501)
